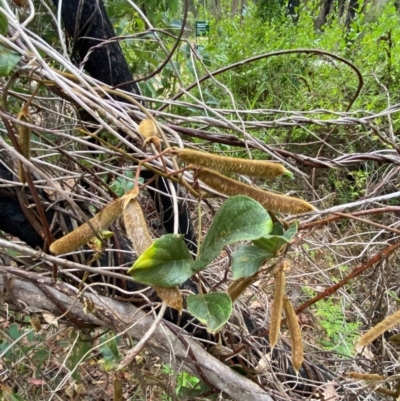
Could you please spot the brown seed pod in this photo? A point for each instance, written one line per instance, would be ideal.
(379, 329)
(24, 141)
(276, 314)
(147, 129)
(368, 377)
(35, 323)
(86, 231)
(238, 287)
(295, 334)
(271, 201)
(135, 224)
(224, 164)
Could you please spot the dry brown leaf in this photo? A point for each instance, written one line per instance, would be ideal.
(50, 318)
(220, 350)
(263, 364)
(80, 388)
(171, 296)
(329, 392)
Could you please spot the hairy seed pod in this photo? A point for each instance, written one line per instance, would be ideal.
(147, 128)
(368, 377)
(135, 224)
(238, 287)
(379, 329)
(272, 202)
(224, 164)
(24, 141)
(276, 314)
(93, 227)
(295, 334)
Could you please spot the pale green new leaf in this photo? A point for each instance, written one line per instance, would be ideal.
(166, 263)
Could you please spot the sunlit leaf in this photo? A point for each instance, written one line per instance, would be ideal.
(239, 218)
(166, 263)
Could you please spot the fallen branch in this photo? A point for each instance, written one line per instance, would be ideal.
(23, 290)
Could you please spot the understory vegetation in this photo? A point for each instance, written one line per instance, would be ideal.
(322, 101)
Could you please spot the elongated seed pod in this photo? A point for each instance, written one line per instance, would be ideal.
(379, 329)
(271, 201)
(238, 287)
(24, 141)
(276, 314)
(224, 164)
(368, 377)
(83, 233)
(135, 225)
(295, 334)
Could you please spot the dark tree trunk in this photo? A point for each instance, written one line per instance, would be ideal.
(351, 13)
(293, 10)
(90, 30)
(325, 8)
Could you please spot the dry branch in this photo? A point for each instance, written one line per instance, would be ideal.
(30, 293)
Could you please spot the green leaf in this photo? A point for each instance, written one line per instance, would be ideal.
(3, 24)
(14, 332)
(166, 263)
(109, 349)
(239, 218)
(273, 243)
(38, 358)
(247, 259)
(213, 310)
(8, 60)
(81, 348)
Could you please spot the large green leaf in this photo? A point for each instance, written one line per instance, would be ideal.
(247, 259)
(239, 218)
(273, 242)
(166, 263)
(8, 60)
(213, 310)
